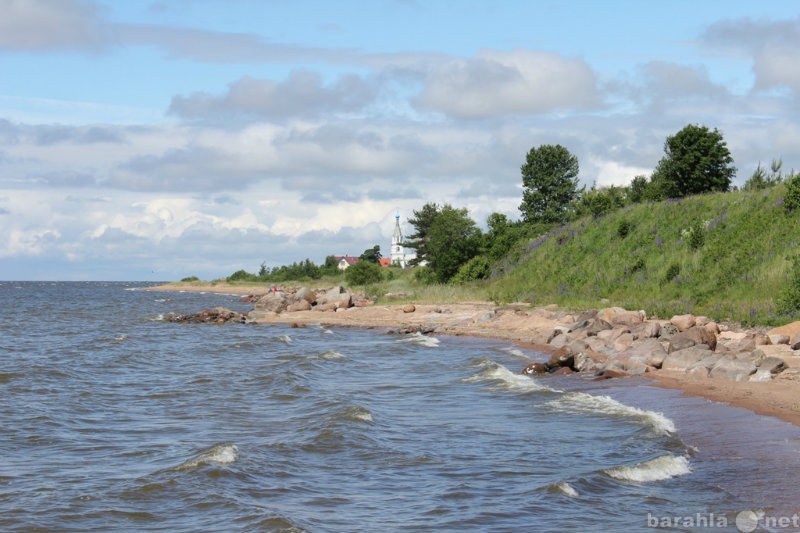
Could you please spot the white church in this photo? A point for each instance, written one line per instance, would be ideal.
(399, 255)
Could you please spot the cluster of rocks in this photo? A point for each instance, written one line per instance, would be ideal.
(615, 342)
(216, 315)
(304, 299)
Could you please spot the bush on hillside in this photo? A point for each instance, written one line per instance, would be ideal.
(476, 268)
(791, 201)
(789, 301)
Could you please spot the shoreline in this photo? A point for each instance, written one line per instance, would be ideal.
(520, 323)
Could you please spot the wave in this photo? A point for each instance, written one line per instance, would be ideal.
(220, 454)
(564, 488)
(330, 354)
(658, 469)
(284, 338)
(420, 340)
(356, 414)
(506, 379)
(589, 403)
(516, 352)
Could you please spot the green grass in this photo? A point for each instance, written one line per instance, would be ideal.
(724, 255)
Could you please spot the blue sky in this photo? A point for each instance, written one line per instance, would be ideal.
(153, 140)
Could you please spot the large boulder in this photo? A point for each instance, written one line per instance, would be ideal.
(618, 316)
(703, 367)
(647, 352)
(734, 368)
(596, 325)
(299, 305)
(304, 293)
(215, 315)
(334, 299)
(768, 368)
(692, 337)
(647, 330)
(564, 357)
(790, 329)
(683, 322)
(274, 302)
(683, 360)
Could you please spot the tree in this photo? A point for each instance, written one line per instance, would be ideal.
(761, 180)
(597, 202)
(550, 184)
(421, 221)
(637, 190)
(696, 160)
(373, 255)
(453, 239)
(363, 273)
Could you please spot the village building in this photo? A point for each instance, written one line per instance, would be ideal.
(345, 261)
(398, 255)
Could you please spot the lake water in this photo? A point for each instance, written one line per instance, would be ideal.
(113, 419)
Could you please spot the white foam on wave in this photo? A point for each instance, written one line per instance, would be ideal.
(658, 469)
(565, 488)
(285, 338)
(420, 339)
(221, 454)
(330, 354)
(357, 413)
(506, 379)
(589, 403)
(516, 352)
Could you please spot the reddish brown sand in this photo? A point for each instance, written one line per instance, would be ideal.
(778, 398)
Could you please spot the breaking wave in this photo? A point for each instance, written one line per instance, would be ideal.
(580, 401)
(503, 378)
(420, 340)
(221, 454)
(658, 469)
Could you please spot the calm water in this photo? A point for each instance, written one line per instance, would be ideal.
(115, 420)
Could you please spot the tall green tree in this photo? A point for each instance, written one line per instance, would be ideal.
(373, 255)
(549, 184)
(421, 222)
(696, 160)
(453, 239)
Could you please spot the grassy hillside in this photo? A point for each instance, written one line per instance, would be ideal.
(725, 255)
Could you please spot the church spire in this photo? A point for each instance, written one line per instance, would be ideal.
(397, 237)
(398, 252)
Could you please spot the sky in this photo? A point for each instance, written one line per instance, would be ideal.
(152, 140)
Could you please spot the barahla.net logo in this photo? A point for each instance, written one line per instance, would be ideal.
(745, 521)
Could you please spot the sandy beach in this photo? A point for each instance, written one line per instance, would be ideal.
(521, 324)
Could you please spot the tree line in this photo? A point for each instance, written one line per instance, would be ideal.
(451, 247)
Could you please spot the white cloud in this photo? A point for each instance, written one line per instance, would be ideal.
(496, 83)
(35, 25)
(771, 45)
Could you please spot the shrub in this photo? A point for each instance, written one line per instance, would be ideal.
(476, 268)
(242, 275)
(789, 301)
(694, 236)
(190, 279)
(363, 273)
(673, 272)
(623, 228)
(791, 201)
